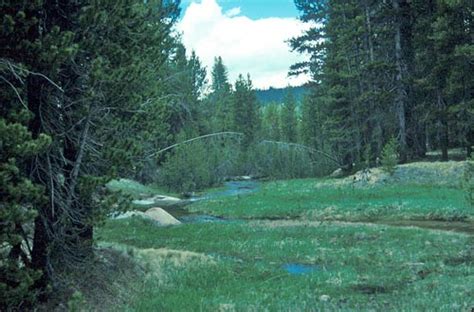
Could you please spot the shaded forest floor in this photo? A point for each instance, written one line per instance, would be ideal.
(307, 245)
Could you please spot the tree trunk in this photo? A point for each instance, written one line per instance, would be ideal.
(378, 130)
(443, 126)
(41, 239)
(40, 257)
(401, 92)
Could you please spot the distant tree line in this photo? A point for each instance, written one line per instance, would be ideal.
(250, 138)
(277, 95)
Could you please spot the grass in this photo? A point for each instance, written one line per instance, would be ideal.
(360, 267)
(137, 190)
(239, 265)
(322, 200)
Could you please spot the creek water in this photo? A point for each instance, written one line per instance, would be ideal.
(299, 268)
(231, 188)
(238, 188)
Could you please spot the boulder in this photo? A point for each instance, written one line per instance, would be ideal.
(159, 200)
(161, 216)
(158, 215)
(338, 173)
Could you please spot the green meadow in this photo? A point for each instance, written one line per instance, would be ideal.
(306, 245)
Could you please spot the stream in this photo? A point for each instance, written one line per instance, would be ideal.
(231, 188)
(237, 188)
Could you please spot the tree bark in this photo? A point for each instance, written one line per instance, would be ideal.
(41, 240)
(401, 92)
(443, 126)
(378, 130)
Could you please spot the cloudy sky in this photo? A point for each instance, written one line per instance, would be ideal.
(249, 35)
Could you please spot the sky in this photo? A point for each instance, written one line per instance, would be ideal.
(249, 35)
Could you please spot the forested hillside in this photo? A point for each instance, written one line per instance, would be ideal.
(277, 95)
(92, 91)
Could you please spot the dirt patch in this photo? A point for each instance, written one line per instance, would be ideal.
(456, 226)
(445, 226)
(284, 223)
(371, 289)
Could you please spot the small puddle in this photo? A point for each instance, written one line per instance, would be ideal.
(300, 269)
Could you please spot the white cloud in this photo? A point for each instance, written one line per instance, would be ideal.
(246, 46)
(233, 12)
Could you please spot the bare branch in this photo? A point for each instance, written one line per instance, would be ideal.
(16, 91)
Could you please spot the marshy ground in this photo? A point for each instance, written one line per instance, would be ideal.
(304, 245)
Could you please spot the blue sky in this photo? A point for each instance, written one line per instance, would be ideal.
(251, 36)
(256, 9)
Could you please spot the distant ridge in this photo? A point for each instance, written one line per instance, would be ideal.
(278, 94)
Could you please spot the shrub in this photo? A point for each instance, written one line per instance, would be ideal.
(389, 157)
(197, 165)
(468, 183)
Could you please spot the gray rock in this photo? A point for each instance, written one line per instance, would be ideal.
(338, 173)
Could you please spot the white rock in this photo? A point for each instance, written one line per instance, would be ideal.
(324, 298)
(161, 216)
(158, 200)
(158, 215)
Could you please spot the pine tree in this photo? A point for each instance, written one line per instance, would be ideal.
(18, 194)
(311, 124)
(218, 105)
(81, 89)
(289, 121)
(271, 122)
(244, 110)
(394, 68)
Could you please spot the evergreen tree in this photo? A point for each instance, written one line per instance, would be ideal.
(244, 113)
(311, 132)
(18, 194)
(392, 68)
(82, 89)
(271, 122)
(289, 120)
(219, 105)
